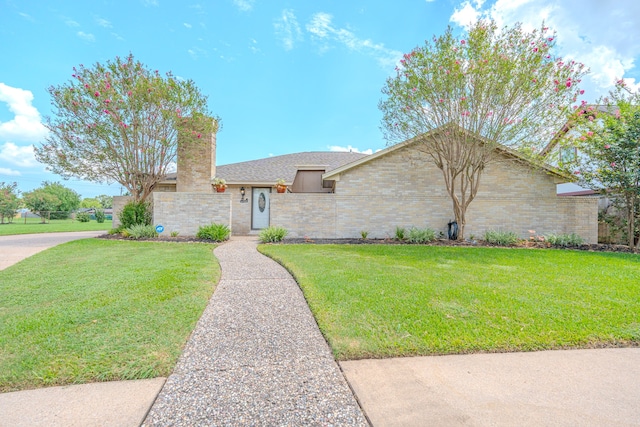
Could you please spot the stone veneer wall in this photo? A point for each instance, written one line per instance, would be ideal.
(404, 189)
(185, 212)
(118, 204)
(241, 222)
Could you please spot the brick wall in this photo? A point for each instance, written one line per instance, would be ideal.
(185, 212)
(118, 204)
(405, 189)
(241, 222)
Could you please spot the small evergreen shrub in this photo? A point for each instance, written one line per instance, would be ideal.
(100, 216)
(364, 234)
(174, 233)
(215, 232)
(564, 240)
(116, 230)
(272, 234)
(501, 238)
(400, 233)
(135, 213)
(141, 231)
(421, 235)
(83, 217)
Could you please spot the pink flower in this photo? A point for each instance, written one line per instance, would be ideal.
(441, 100)
(568, 83)
(550, 39)
(106, 101)
(613, 164)
(106, 111)
(535, 49)
(97, 94)
(199, 135)
(576, 172)
(607, 146)
(582, 92)
(129, 93)
(589, 133)
(462, 42)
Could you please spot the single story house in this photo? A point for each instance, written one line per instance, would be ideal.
(339, 195)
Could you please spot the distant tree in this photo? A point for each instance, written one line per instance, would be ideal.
(105, 201)
(119, 122)
(91, 203)
(69, 200)
(9, 201)
(461, 97)
(607, 138)
(41, 202)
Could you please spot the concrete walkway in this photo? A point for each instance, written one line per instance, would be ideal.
(256, 356)
(17, 247)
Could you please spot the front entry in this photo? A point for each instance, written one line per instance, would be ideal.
(260, 209)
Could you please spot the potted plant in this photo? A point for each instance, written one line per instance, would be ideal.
(220, 184)
(281, 187)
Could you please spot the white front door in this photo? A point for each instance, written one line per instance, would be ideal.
(260, 210)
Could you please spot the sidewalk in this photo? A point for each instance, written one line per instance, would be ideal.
(256, 356)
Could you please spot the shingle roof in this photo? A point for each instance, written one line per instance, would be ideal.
(270, 169)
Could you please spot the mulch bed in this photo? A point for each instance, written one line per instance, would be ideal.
(594, 247)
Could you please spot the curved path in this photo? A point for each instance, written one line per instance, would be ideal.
(17, 247)
(256, 356)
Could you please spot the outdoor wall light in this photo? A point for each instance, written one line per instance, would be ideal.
(242, 193)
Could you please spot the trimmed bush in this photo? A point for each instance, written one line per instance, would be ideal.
(135, 213)
(401, 233)
(215, 232)
(421, 235)
(501, 238)
(272, 234)
(564, 240)
(83, 217)
(100, 216)
(141, 231)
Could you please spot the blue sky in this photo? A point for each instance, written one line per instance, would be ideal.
(284, 76)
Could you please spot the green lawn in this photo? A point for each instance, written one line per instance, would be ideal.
(34, 225)
(384, 300)
(98, 310)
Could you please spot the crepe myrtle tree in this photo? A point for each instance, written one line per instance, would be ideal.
(607, 139)
(463, 97)
(119, 122)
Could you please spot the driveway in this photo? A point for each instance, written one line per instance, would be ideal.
(18, 247)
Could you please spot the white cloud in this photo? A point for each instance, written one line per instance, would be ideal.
(70, 22)
(103, 23)
(244, 5)
(197, 53)
(117, 36)
(322, 30)
(288, 29)
(187, 25)
(604, 36)
(25, 125)
(86, 36)
(18, 155)
(26, 16)
(9, 172)
(349, 149)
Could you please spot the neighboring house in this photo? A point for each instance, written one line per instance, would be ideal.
(339, 195)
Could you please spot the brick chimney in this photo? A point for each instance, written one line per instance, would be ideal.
(196, 157)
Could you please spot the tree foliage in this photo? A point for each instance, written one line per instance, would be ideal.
(105, 201)
(9, 201)
(91, 203)
(119, 122)
(607, 138)
(461, 97)
(52, 200)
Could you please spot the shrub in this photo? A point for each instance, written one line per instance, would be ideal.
(116, 230)
(421, 235)
(272, 234)
(564, 240)
(400, 233)
(215, 232)
(501, 238)
(100, 216)
(364, 234)
(83, 217)
(141, 231)
(135, 213)
(174, 233)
